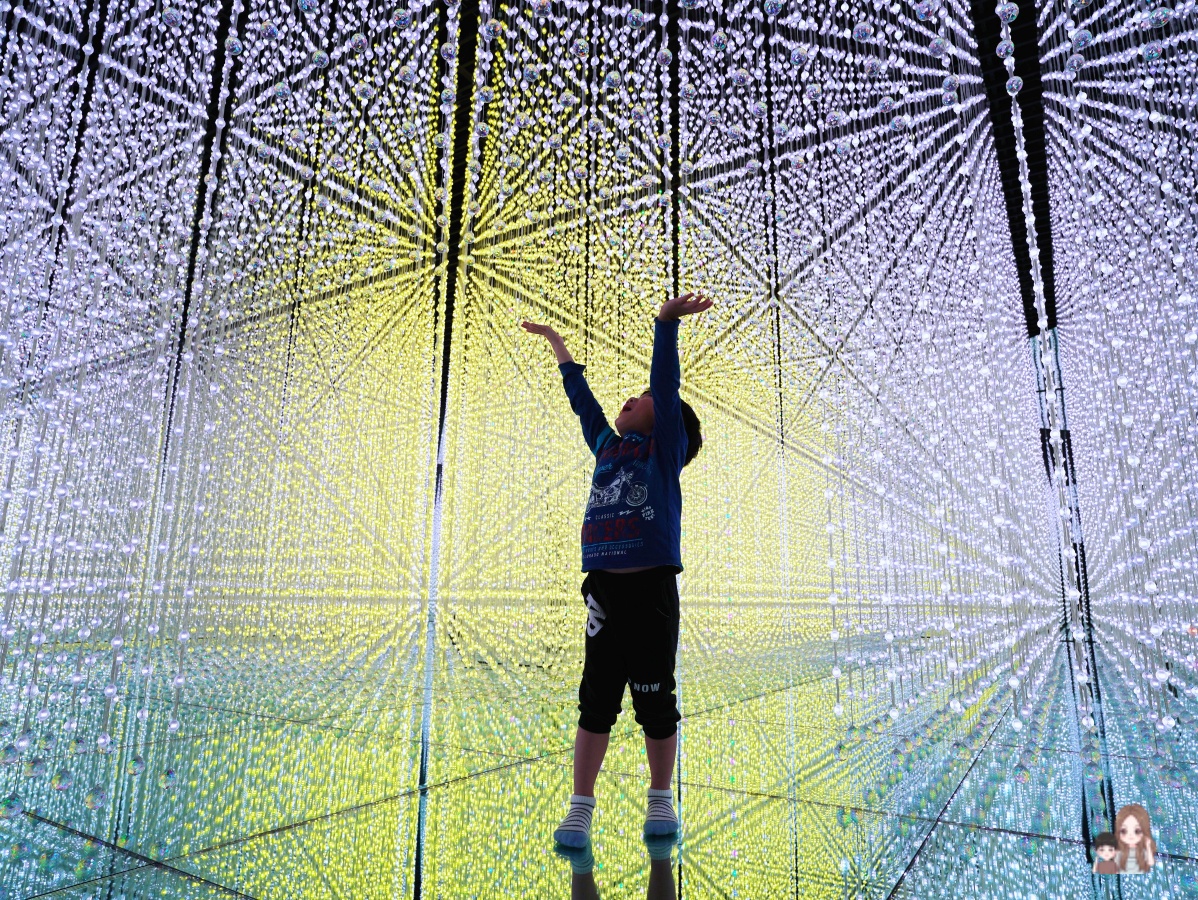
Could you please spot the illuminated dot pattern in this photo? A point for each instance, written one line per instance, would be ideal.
(273, 622)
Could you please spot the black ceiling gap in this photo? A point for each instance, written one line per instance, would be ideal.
(987, 30)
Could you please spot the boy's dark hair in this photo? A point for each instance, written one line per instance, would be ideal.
(1106, 839)
(694, 439)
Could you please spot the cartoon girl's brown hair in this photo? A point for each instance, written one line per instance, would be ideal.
(1140, 814)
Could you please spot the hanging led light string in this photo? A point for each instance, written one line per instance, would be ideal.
(1169, 626)
(943, 47)
(1076, 41)
(1067, 525)
(326, 214)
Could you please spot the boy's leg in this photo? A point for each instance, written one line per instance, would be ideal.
(661, 879)
(583, 887)
(599, 696)
(589, 749)
(652, 649)
(601, 689)
(661, 753)
(652, 652)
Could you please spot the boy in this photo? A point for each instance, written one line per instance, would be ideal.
(631, 553)
(1105, 847)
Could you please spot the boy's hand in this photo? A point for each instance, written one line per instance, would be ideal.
(686, 305)
(555, 340)
(547, 331)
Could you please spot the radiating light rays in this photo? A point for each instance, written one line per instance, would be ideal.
(149, 520)
(1117, 128)
(220, 355)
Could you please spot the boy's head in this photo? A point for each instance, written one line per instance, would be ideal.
(1106, 846)
(637, 415)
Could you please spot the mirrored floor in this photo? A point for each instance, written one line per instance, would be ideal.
(778, 796)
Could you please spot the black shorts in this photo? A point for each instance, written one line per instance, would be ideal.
(632, 638)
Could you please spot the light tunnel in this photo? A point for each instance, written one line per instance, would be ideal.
(291, 503)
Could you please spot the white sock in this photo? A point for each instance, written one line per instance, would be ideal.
(577, 823)
(661, 809)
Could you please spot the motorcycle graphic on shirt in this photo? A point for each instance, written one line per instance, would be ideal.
(610, 494)
(616, 512)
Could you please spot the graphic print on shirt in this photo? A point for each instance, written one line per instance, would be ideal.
(620, 522)
(595, 616)
(609, 495)
(638, 493)
(632, 521)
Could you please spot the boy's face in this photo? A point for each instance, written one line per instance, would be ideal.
(1106, 852)
(636, 415)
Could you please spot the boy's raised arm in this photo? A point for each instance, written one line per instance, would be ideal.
(595, 429)
(665, 376)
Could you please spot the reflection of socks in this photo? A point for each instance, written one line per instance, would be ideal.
(582, 860)
(660, 818)
(575, 829)
(660, 846)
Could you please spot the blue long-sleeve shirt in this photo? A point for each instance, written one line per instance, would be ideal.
(634, 514)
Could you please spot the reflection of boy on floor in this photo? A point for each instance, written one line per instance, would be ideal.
(632, 522)
(661, 872)
(1105, 849)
